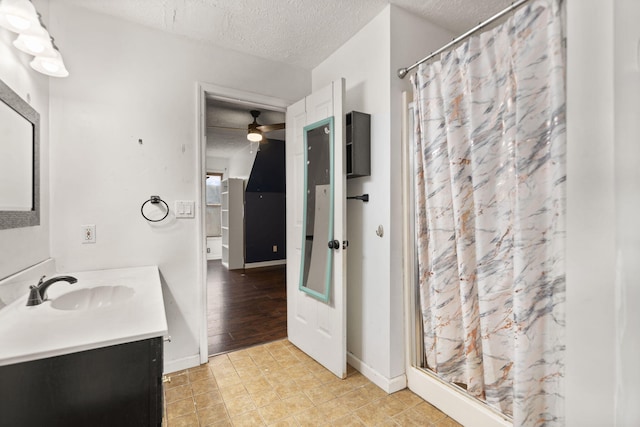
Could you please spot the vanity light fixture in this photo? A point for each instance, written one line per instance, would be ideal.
(20, 16)
(51, 66)
(37, 45)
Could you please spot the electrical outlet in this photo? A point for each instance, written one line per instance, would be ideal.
(275, 248)
(89, 233)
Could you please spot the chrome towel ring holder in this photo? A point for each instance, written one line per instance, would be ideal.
(154, 200)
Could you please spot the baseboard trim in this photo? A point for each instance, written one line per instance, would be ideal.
(265, 263)
(390, 385)
(180, 364)
(455, 403)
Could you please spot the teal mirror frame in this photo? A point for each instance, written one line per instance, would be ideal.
(320, 243)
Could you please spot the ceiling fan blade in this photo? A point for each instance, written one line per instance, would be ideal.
(269, 128)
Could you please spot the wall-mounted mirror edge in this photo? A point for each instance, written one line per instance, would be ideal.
(28, 217)
(318, 208)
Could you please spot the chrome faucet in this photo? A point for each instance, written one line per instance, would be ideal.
(38, 293)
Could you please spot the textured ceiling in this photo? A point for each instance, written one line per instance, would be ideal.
(296, 32)
(227, 127)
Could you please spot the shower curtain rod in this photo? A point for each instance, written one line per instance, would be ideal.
(403, 71)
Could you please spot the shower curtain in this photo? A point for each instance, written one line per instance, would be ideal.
(490, 209)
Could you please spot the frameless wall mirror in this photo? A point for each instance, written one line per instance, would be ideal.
(19, 161)
(317, 221)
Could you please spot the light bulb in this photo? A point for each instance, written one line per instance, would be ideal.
(37, 44)
(254, 136)
(18, 23)
(34, 45)
(19, 16)
(51, 66)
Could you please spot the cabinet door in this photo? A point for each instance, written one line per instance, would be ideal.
(119, 385)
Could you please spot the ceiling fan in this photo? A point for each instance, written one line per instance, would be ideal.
(255, 130)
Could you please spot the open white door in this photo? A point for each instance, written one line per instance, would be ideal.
(318, 328)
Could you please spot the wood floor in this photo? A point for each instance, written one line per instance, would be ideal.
(246, 307)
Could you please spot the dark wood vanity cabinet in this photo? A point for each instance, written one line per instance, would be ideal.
(120, 385)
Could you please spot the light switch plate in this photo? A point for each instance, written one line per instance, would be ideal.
(88, 233)
(185, 208)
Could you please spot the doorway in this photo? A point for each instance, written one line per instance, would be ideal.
(244, 287)
(246, 307)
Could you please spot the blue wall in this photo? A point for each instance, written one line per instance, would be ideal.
(265, 205)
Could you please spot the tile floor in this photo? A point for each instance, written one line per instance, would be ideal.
(276, 384)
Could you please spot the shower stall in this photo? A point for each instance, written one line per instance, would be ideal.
(448, 397)
(484, 162)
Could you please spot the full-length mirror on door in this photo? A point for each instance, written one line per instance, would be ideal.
(317, 236)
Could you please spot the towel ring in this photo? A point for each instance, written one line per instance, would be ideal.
(154, 200)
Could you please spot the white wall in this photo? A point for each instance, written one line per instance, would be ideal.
(364, 63)
(129, 82)
(627, 193)
(412, 38)
(241, 163)
(591, 219)
(219, 165)
(24, 247)
(603, 239)
(374, 291)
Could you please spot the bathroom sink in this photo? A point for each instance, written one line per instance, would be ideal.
(92, 298)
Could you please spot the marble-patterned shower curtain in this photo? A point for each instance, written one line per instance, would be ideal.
(490, 209)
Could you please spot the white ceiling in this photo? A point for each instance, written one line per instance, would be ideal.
(297, 32)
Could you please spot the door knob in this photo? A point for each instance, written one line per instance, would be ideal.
(334, 244)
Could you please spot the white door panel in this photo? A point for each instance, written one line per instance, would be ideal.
(317, 328)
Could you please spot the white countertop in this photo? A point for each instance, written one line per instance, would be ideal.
(37, 332)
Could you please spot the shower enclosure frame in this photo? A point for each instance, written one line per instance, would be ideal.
(449, 398)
